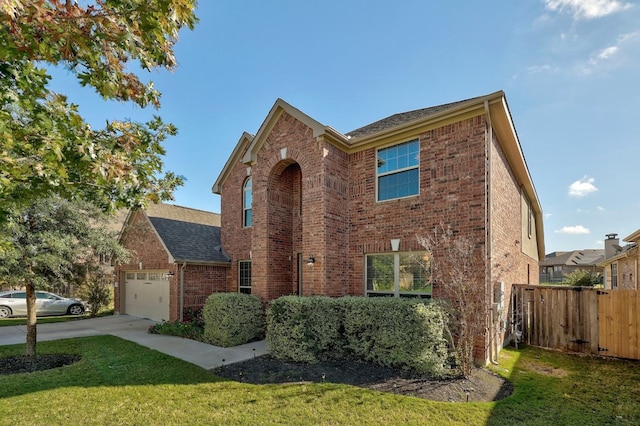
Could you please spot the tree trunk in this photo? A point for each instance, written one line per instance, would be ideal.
(31, 322)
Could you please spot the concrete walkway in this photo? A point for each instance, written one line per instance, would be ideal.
(136, 330)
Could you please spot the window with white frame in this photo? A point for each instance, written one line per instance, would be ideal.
(247, 196)
(398, 168)
(244, 276)
(399, 274)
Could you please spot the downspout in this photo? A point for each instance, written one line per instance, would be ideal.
(181, 316)
(493, 341)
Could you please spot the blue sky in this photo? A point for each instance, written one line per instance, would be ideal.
(569, 69)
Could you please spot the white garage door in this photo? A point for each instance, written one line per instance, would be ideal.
(147, 295)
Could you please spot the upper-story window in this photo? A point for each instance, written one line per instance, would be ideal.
(247, 212)
(398, 171)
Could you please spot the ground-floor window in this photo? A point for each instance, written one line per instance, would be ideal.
(399, 274)
(244, 279)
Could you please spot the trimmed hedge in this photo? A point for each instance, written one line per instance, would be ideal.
(405, 333)
(232, 319)
(395, 332)
(305, 329)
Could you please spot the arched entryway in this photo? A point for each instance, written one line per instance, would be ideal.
(284, 229)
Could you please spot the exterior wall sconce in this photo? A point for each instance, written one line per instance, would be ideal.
(311, 260)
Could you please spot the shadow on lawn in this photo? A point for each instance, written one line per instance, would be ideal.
(105, 361)
(552, 387)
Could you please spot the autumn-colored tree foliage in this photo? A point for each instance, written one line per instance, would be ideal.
(46, 147)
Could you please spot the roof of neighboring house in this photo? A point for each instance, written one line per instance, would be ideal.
(587, 257)
(189, 235)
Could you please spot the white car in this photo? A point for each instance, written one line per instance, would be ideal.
(14, 304)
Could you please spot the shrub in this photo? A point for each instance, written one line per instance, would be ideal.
(388, 331)
(582, 278)
(188, 330)
(405, 333)
(97, 291)
(305, 329)
(232, 319)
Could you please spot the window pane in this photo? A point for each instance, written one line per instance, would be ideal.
(141, 276)
(398, 185)
(244, 276)
(131, 276)
(380, 273)
(415, 273)
(247, 200)
(154, 276)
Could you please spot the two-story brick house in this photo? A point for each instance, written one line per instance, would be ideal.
(308, 210)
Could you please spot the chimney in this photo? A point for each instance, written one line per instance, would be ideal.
(611, 245)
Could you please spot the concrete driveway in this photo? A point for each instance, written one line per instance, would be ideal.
(136, 330)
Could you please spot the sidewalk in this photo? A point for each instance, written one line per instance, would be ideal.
(135, 329)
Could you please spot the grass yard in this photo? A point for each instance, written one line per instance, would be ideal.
(119, 382)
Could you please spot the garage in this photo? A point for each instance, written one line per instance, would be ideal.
(147, 294)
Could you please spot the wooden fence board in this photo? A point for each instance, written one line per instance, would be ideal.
(579, 319)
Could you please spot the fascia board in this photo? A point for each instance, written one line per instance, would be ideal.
(235, 156)
(280, 107)
(632, 238)
(170, 258)
(508, 139)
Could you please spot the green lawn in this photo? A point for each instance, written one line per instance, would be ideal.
(119, 382)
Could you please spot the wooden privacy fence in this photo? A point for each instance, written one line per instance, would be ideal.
(578, 319)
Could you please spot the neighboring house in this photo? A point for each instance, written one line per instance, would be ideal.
(309, 210)
(621, 263)
(176, 262)
(556, 265)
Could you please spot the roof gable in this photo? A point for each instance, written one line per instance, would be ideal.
(278, 108)
(187, 235)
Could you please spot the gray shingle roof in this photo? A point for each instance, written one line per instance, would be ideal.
(587, 257)
(190, 241)
(402, 118)
(189, 234)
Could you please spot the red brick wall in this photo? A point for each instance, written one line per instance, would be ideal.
(508, 262)
(452, 192)
(200, 281)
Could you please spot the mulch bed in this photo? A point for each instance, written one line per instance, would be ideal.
(481, 386)
(22, 364)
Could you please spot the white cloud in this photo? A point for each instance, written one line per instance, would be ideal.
(536, 69)
(587, 9)
(582, 187)
(609, 56)
(600, 208)
(548, 215)
(573, 230)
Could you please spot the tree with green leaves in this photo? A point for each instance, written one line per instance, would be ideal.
(46, 147)
(52, 239)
